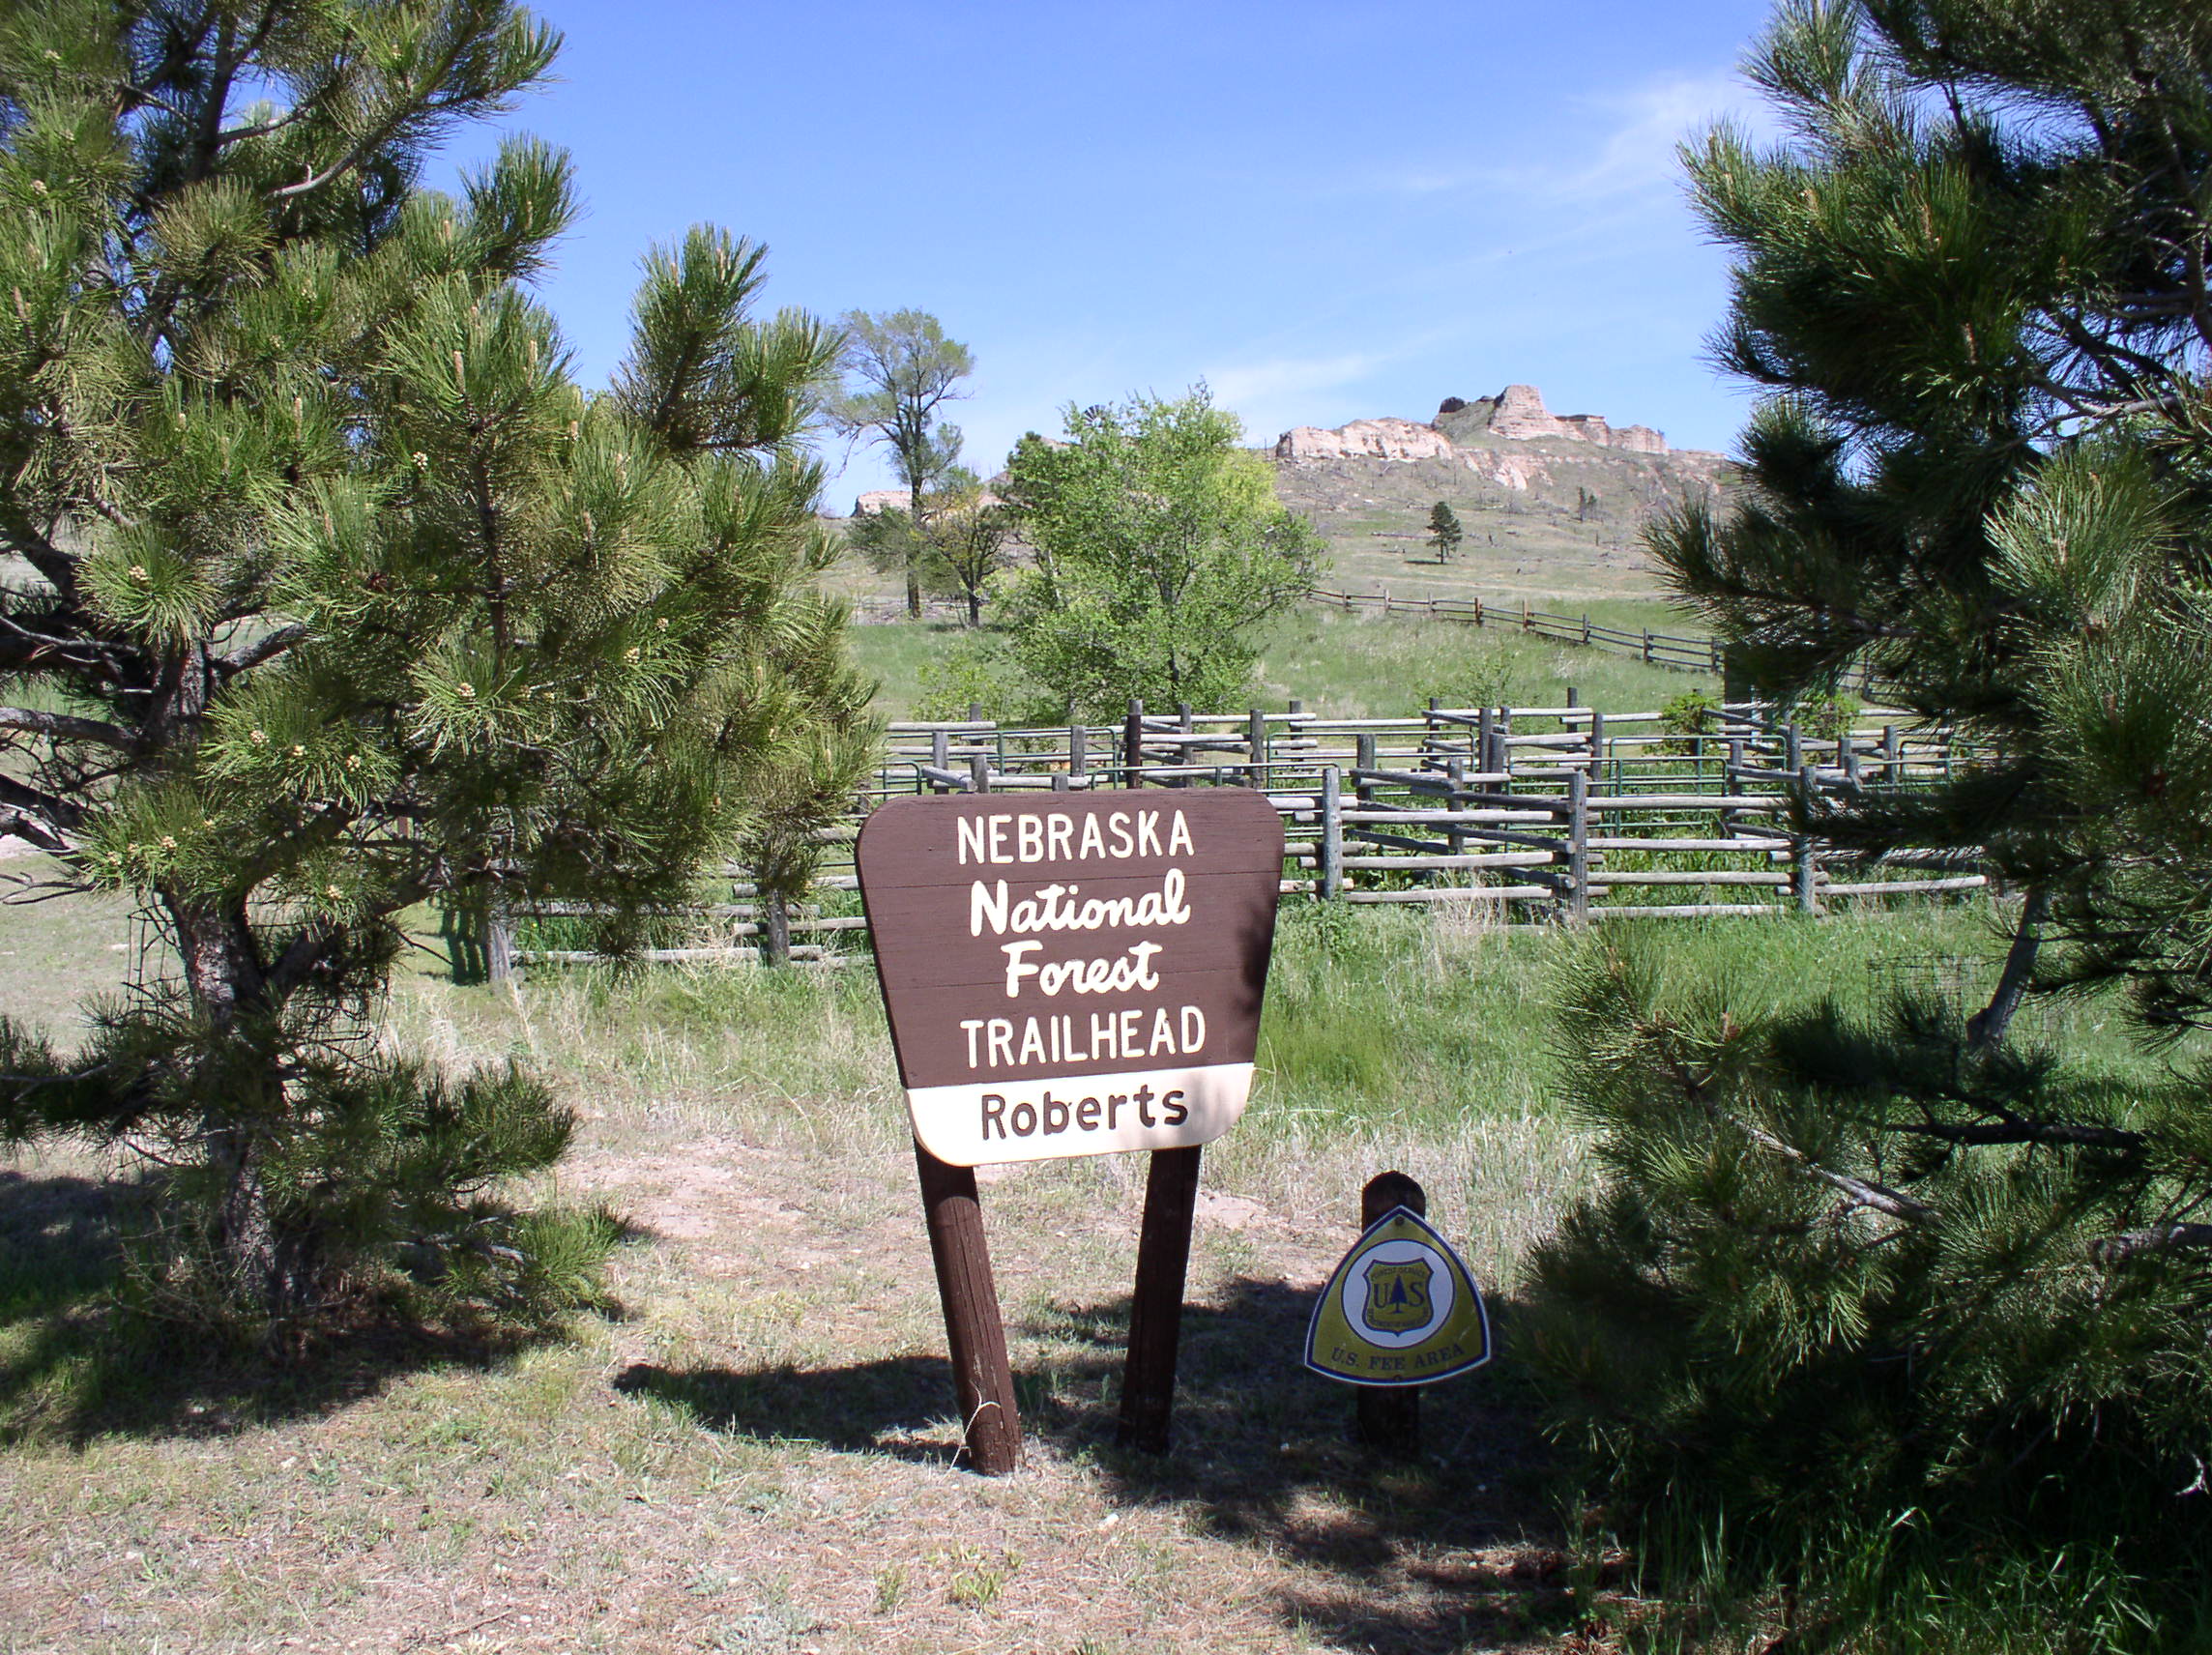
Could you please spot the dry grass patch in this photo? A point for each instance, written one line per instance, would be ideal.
(758, 1452)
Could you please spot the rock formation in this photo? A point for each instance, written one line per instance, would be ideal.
(1515, 415)
(1365, 440)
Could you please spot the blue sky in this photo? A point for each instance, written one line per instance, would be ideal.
(1324, 211)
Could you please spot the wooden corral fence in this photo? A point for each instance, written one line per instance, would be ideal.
(1686, 652)
(1530, 814)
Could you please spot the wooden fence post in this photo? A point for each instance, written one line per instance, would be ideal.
(1483, 730)
(1331, 837)
(1255, 738)
(1133, 746)
(1578, 846)
(1597, 745)
(498, 942)
(1804, 865)
(1389, 1418)
(940, 755)
(975, 1337)
(774, 926)
(1078, 751)
(1156, 1306)
(978, 772)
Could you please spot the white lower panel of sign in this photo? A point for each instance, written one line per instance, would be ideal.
(1087, 1115)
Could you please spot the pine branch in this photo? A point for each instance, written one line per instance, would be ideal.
(264, 647)
(1878, 1197)
(58, 814)
(2016, 1131)
(62, 726)
(1894, 1202)
(2159, 1238)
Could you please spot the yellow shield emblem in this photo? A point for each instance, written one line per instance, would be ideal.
(1398, 1294)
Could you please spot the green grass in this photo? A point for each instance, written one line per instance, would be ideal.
(1369, 665)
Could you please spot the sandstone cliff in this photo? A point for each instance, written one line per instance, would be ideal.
(1470, 432)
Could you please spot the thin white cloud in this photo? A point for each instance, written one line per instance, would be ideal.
(1635, 129)
(1649, 123)
(1288, 377)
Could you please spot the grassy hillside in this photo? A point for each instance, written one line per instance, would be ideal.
(1354, 665)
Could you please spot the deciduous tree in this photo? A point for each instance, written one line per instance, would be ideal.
(899, 369)
(1160, 554)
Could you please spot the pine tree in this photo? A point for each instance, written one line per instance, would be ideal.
(343, 596)
(1848, 1271)
(1445, 531)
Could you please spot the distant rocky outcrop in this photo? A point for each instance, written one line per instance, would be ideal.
(1471, 430)
(1365, 440)
(877, 500)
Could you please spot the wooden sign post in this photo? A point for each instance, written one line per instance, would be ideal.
(1069, 974)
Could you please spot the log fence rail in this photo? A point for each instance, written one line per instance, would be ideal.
(1531, 814)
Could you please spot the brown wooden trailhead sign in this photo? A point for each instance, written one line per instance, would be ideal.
(1069, 974)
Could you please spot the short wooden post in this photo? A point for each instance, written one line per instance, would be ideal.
(498, 942)
(982, 1377)
(1388, 1420)
(1597, 745)
(1155, 1307)
(1793, 749)
(1571, 701)
(774, 911)
(1133, 746)
(1578, 846)
(940, 756)
(1331, 837)
(1078, 751)
(1363, 759)
(1892, 769)
(1485, 727)
(1646, 645)
(1804, 867)
(980, 773)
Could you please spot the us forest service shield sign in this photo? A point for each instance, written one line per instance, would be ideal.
(1072, 974)
(1400, 1310)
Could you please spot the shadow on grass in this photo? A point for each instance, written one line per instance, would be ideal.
(1401, 1558)
(871, 1407)
(73, 1366)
